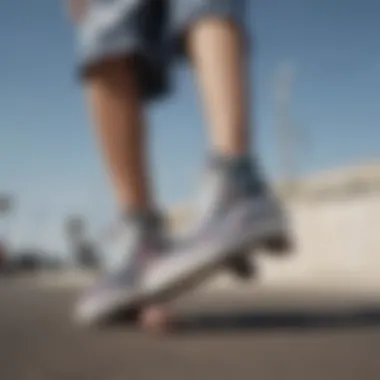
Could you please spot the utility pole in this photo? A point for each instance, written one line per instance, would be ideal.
(6, 207)
(284, 126)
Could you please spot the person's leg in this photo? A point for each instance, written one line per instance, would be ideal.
(213, 37)
(120, 75)
(115, 104)
(216, 49)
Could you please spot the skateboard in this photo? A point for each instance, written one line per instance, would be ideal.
(152, 312)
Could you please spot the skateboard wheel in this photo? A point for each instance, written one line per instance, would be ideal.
(241, 267)
(278, 245)
(122, 316)
(156, 319)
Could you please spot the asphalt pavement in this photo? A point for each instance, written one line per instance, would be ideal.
(280, 335)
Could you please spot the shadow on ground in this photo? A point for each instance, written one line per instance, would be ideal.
(242, 321)
(224, 322)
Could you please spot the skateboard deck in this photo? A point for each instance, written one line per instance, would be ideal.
(239, 266)
(184, 269)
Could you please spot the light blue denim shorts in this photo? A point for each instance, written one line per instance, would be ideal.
(150, 31)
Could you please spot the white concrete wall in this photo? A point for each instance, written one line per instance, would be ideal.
(337, 240)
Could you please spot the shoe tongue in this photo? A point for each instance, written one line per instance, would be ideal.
(229, 164)
(242, 173)
(144, 220)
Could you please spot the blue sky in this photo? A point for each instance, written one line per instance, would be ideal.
(48, 156)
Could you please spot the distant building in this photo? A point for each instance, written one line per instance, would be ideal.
(340, 183)
(27, 260)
